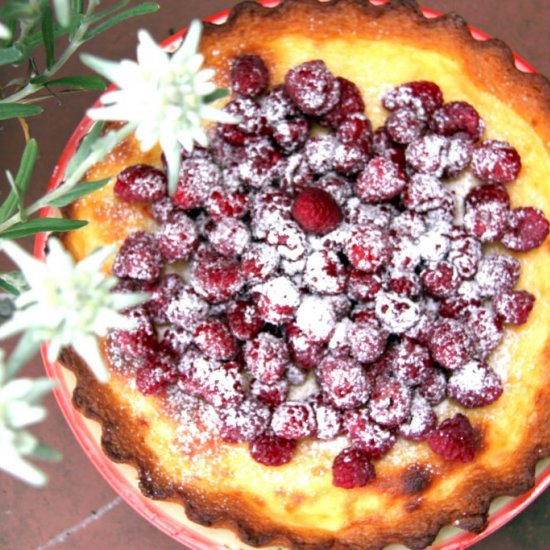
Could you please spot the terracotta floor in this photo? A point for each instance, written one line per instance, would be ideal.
(78, 510)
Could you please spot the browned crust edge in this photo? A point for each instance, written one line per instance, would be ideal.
(121, 441)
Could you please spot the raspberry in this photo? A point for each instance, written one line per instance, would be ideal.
(153, 378)
(465, 254)
(441, 280)
(293, 420)
(296, 173)
(269, 208)
(427, 154)
(177, 238)
(349, 159)
(316, 318)
(163, 209)
(277, 106)
(396, 313)
(325, 273)
(291, 135)
(363, 286)
(337, 186)
(421, 422)
(304, 351)
(215, 340)
(244, 422)
(194, 369)
(497, 273)
(367, 341)
(224, 387)
(356, 130)
(410, 362)
(496, 162)
(289, 239)
(316, 211)
(434, 387)
(344, 382)
(186, 309)
(140, 341)
(390, 402)
(486, 212)
(244, 319)
(140, 183)
(404, 125)
(450, 344)
(382, 180)
(528, 228)
(216, 279)
(454, 439)
(230, 237)
(514, 306)
(196, 178)
(486, 329)
(424, 192)
(458, 307)
(407, 284)
(328, 420)
(367, 248)
(313, 88)
(252, 122)
(277, 300)
(270, 394)
(226, 204)
(350, 102)
(458, 155)
(272, 450)
(384, 146)
(249, 76)
(261, 164)
(352, 468)
(423, 96)
(266, 358)
(138, 258)
(367, 436)
(475, 384)
(319, 153)
(175, 341)
(162, 294)
(258, 262)
(421, 331)
(455, 117)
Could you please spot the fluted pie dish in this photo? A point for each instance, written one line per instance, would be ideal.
(347, 339)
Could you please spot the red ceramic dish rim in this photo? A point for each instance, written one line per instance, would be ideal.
(109, 470)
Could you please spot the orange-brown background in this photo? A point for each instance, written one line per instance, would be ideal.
(32, 518)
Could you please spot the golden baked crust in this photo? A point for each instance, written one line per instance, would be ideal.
(415, 492)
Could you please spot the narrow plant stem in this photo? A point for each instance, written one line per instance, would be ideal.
(73, 46)
(111, 139)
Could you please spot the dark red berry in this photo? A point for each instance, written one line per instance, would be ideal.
(405, 125)
(153, 378)
(368, 436)
(258, 262)
(497, 273)
(454, 439)
(390, 402)
(229, 237)
(266, 357)
(244, 319)
(441, 280)
(244, 422)
(367, 341)
(140, 341)
(328, 419)
(367, 248)
(423, 96)
(249, 76)
(304, 352)
(421, 422)
(410, 362)
(496, 162)
(352, 468)
(226, 204)
(344, 382)
(214, 339)
(405, 283)
(277, 106)
(356, 130)
(381, 181)
(486, 212)
(434, 387)
(175, 341)
(272, 450)
(450, 344)
(465, 254)
(277, 300)
(350, 102)
(186, 309)
(475, 384)
(336, 186)
(196, 178)
(514, 306)
(162, 294)
(313, 88)
(349, 159)
(424, 192)
(528, 228)
(363, 286)
(138, 258)
(261, 163)
(293, 420)
(396, 313)
(140, 183)
(270, 394)
(177, 238)
(291, 135)
(455, 117)
(216, 279)
(319, 153)
(316, 211)
(224, 386)
(163, 209)
(384, 146)
(486, 329)
(427, 154)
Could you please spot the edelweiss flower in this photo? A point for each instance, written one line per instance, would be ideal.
(165, 95)
(19, 409)
(5, 33)
(68, 304)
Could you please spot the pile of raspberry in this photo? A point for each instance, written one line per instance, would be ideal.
(301, 243)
